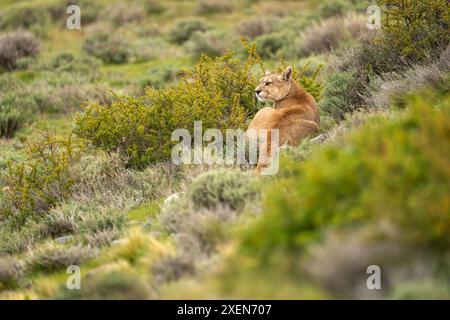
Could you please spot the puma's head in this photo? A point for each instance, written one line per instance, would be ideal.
(274, 87)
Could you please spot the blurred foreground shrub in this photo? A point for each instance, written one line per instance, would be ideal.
(381, 197)
(391, 171)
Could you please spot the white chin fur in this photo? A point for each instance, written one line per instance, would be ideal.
(260, 99)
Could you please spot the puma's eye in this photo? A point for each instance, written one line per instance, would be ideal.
(268, 83)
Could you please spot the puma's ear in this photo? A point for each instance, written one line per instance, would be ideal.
(268, 73)
(287, 74)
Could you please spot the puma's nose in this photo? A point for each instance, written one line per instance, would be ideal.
(258, 91)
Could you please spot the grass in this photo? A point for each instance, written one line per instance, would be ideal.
(144, 212)
(119, 74)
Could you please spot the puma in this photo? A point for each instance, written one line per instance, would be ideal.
(294, 112)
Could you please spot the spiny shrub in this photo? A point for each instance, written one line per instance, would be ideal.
(50, 257)
(405, 184)
(184, 29)
(214, 6)
(36, 185)
(15, 46)
(229, 188)
(416, 28)
(107, 47)
(330, 33)
(218, 92)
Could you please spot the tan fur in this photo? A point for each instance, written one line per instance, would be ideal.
(294, 112)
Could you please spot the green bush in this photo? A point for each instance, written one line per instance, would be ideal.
(229, 188)
(339, 94)
(218, 92)
(275, 44)
(15, 46)
(44, 179)
(340, 187)
(415, 29)
(184, 29)
(107, 47)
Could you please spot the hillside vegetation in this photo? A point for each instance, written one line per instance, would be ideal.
(86, 118)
